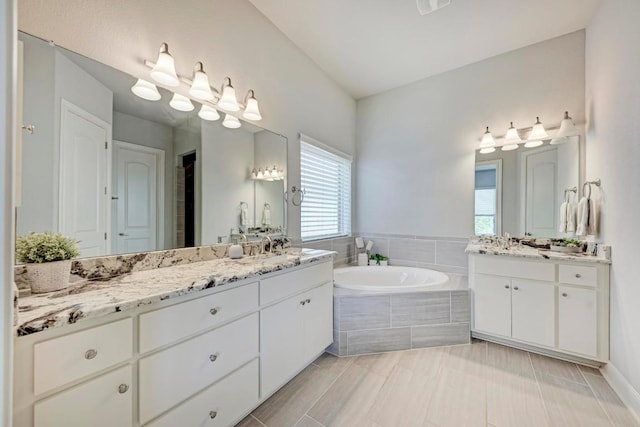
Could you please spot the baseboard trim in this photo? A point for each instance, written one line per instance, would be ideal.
(623, 388)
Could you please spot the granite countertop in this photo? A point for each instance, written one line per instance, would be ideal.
(95, 298)
(534, 253)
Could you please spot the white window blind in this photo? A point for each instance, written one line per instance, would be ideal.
(326, 180)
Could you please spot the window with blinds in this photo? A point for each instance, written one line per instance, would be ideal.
(325, 177)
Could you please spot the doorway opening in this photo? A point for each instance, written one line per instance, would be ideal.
(189, 167)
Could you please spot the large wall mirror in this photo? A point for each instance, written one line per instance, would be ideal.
(520, 192)
(122, 174)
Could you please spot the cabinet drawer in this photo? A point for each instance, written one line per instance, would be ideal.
(68, 358)
(172, 375)
(578, 275)
(280, 286)
(102, 402)
(499, 266)
(219, 405)
(170, 324)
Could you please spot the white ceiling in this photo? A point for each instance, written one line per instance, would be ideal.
(369, 46)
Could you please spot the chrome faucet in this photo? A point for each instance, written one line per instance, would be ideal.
(266, 237)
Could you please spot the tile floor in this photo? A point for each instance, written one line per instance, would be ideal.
(478, 384)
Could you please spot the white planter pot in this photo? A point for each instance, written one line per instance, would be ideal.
(48, 276)
(363, 260)
(384, 263)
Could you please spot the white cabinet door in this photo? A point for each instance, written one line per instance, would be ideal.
(492, 304)
(102, 402)
(281, 337)
(318, 321)
(577, 320)
(533, 312)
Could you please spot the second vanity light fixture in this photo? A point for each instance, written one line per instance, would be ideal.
(537, 135)
(163, 71)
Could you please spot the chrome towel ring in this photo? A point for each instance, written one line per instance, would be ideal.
(295, 190)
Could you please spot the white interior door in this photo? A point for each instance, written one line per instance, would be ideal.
(540, 196)
(138, 181)
(84, 184)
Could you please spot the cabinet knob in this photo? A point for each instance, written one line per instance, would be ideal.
(213, 357)
(515, 288)
(214, 311)
(303, 302)
(213, 414)
(90, 354)
(578, 275)
(506, 286)
(308, 301)
(564, 294)
(123, 388)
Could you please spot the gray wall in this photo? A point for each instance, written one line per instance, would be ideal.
(613, 154)
(270, 150)
(416, 144)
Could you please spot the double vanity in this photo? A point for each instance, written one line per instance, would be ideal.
(192, 344)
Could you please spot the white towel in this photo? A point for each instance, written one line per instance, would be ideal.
(583, 217)
(572, 208)
(594, 208)
(266, 215)
(563, 217)
(243, 215)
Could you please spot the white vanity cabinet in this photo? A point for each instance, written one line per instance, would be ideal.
(203, 359)
(556, 307)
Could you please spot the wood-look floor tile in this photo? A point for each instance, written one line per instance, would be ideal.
(349, 400)
(569, 403)
(332, 365)
(470, 359)
(514, 400)
(424, 361)
(511, 360)
(558, 368)
(293, 400)
(307, 421)
(611, 403)
(249, 421)
(459, 399)
(381, 363)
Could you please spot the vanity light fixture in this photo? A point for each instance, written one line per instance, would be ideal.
(567, 129)
(251, 111)
(164, 71)
(488, 144)
(268, 174)
(512, 139)
(538, 133)
(146, 90)
(200, 88)
(228, 99)
(208, 113)
(181, 103)
(231, 122)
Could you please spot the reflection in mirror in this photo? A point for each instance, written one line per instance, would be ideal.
(520, 192)
(123, 174)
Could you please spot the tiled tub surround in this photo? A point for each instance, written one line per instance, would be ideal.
(374, 323)
(95, 298)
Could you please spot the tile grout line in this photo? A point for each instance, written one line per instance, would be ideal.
(259, 422)
(596, 396)
(535, 377)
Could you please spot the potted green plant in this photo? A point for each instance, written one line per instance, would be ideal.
(48, 260)
(377, 259)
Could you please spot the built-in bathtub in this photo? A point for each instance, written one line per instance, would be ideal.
(378, 309)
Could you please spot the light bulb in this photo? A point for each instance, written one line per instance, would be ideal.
(146, 90)
(228, 99)
(208, 113)
(200, 88)
(231, 122)
(251, 111)
(164, 71)
(181, 103)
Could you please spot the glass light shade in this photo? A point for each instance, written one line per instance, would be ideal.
(232, 122)
(487, 150)
(251, 111)
(487, 140)
(208, 113)
(200, 88)
(531, 144)
(557, 141)
(509, 147)
(146, 90)
(260, 174)
(228, 99)
(567, 127)
(164, 72)
(537, 133)
(181, 103)
(512, 136)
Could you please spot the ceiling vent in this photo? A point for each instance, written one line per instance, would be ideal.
(427, 6)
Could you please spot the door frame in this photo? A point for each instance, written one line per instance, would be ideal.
(67, 107)
(160, 187)
(522, 165)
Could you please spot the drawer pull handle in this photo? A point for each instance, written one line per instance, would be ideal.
(578, 275)
(123, 388)
(564, 294)
(506, 286)
(213, 357)
(303, 302)
(515, 288)
(91, 354)
(213, 414)
(308, 301)
(214, 311)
